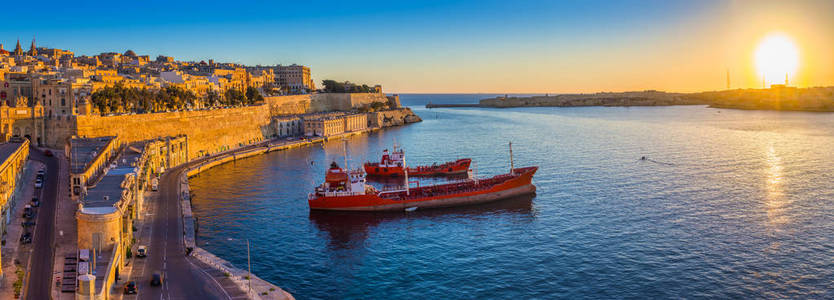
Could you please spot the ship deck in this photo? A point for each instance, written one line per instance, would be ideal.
(455, 187)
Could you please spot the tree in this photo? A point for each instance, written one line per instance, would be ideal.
(253, 95)
(212, 98)
(333, 86)
(234, 97)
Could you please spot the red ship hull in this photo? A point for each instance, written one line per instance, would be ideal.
(435, 196)
(460, 166)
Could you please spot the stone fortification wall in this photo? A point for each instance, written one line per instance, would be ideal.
(288, 105)
(58, 130)
(344, 101)
(211, 131)
(312, 103)
(208, 131)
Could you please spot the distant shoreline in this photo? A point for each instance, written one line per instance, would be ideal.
(776, 98)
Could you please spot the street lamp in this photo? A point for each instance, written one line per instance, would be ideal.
(248, 263)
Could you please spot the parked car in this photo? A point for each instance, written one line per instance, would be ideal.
(39, 177)
(38, 183)
(30, 223)
(156, 278)
(36, 202)
(141, 251)
(41, 172)
(47, 153)
(130, 287)
(27, 211)
(26, 238)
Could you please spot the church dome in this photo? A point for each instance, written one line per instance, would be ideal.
(130, 53)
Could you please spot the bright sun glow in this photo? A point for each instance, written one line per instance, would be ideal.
(777, 56)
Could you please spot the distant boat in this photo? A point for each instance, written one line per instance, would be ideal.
(393, 165)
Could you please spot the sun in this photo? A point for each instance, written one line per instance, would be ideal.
(776, 57)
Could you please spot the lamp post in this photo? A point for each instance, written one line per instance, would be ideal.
(249, 262)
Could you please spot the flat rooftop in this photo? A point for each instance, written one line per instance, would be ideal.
(110, 184)
(6, 150)
(85, 150)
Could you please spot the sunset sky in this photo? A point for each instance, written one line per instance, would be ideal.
(458, 46)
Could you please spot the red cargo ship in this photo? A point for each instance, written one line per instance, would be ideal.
(393, 165)
(347, 191)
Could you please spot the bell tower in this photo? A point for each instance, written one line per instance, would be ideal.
(32, 50)
(17, 50)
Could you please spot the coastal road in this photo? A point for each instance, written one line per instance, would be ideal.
(167, 253)
(39, 279)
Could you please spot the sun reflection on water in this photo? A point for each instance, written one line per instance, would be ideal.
(775, 201)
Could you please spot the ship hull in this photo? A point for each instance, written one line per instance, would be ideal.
(519, 185)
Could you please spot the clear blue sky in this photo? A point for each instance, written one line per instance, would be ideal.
(408, 46)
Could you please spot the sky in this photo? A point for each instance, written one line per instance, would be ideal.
(472, 46)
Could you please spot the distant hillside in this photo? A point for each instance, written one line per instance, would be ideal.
(778, 97)
(644, 98)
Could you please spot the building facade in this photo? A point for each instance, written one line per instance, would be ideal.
(287, 126)
(294, 79)
(14, 156)
(324, 126)
(356, 122)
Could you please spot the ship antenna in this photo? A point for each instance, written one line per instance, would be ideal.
(512, 165)
(405, 171)
(345, 150)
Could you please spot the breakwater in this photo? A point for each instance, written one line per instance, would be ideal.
(432, 105)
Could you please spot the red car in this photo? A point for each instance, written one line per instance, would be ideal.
(47, 153)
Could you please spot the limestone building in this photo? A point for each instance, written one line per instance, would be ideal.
(88, 159)
(287, 126)
(356, 122)
(324, 127)
(22, 121)
(13, 156)
(107, 211)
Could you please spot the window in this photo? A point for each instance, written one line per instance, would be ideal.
(63, 102)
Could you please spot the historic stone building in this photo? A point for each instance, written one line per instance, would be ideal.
(22, 121)
(13, 158)
(112, 200)
(286, 126)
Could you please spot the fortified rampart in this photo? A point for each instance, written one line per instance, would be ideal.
(212, 131)
(208, 131)
(300, 104)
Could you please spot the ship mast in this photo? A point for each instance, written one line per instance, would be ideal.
(512, 165)
(344, 148)
(405, 171)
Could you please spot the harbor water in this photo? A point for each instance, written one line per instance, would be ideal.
(726, 204)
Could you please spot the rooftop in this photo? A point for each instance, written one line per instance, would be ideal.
(7, 149)
(85, 150)
(108, 191)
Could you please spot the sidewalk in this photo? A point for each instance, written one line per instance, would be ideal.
(13, 253)
(66, 236)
